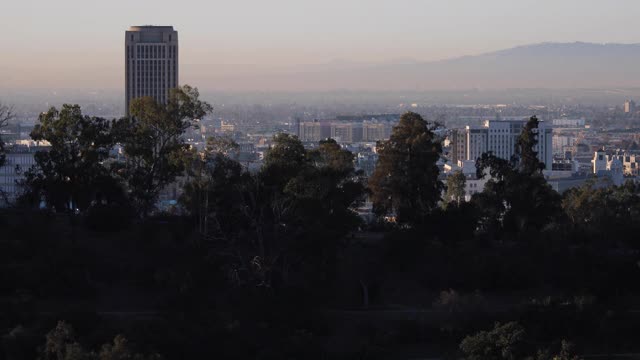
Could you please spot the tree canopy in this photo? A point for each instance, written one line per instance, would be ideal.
(501, 342)
(70, 174)
(517, 197)
(152, 141)
(405, 181)
(456, 185)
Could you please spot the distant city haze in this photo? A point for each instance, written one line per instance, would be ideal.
(310, 45)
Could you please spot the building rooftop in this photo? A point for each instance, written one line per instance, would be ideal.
(150, 28)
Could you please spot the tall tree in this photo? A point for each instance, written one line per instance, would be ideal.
(154, 149)
(456, 185)
(284, 160)
(405, 181)
(70, 174)
(212, 190)
(526, 157)
(517, 198)
(270, 228)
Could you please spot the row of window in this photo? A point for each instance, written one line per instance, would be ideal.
(151, 52)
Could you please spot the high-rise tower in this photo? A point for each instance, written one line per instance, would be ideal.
(151, 62)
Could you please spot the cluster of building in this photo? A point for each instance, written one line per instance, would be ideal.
(571, 151)
(366, 129)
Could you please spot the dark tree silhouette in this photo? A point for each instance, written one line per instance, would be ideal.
(502, 342)
(525, 156)
(405, 182)
(152, 139)
(517, 197)
(456, 183)
(6, 115)
(70, 175)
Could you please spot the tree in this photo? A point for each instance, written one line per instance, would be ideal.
(517, 198)
(270, 229)
(221, 145)
(152, 140)
(284, 160)
(502, 342)
(212, 190)
(70, 175)
(121, 350)
(61, 344)
(405, 182)
(526, 158)
(609, 213)
(6, 115)
(456, 185)
(567, 352)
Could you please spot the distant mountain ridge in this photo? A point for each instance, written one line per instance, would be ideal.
(544, 65)
(538, 66)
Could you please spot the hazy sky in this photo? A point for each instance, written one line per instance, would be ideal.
(47, 41)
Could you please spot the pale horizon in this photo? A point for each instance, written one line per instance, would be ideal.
(67, 44)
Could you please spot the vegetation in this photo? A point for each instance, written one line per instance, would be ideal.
(516, 199)
(152, 142)
(405, 182)
(6, 114)
(70, 175)
(456, 188)
(277, 264)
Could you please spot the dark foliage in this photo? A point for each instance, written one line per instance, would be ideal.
(276, 264)
(155, 152)
(70, 174)
(405, 182)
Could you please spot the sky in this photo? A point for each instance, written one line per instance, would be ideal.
(75, 43)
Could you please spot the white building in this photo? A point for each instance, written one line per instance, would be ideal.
(500, 138)
(610, 166)
(599, 161)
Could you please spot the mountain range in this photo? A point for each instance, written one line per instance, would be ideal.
(545, 65)
(576, 65)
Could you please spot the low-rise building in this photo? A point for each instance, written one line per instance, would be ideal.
(19, 159)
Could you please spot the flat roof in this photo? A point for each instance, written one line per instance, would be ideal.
(149, 28)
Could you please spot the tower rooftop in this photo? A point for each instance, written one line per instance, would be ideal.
(150, 28)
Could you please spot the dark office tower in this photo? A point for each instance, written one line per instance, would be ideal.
(151, 62)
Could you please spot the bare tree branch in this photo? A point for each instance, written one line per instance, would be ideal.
(6, 114)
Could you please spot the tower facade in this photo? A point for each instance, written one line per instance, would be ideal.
(151, 62)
